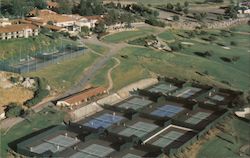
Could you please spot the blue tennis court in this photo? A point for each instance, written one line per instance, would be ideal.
(167, 110)
(104, 121)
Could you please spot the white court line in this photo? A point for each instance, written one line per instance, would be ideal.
(186, 91)
(156, 134)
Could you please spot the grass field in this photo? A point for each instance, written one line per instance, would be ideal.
(167, 36)
(65, 74)
(35, 122)
(128, 35)
(97, 48)
(141, 62)
(100, 78)
(227, 145)
(214, 66)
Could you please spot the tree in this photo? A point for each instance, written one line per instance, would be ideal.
(220, 17)
(64, 7)
(85, 30)
(21, 8)
(231, 12)
(14, 110)
(40, 4)
(178, 7)
(91, 7)
(186, 4)
(185, 11)
(100, 28)
(176, 18)
(170, 6)
(119, 5)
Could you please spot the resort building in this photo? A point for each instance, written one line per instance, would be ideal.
(72, 23)
(4, 22)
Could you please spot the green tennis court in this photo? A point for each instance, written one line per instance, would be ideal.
(198, 117)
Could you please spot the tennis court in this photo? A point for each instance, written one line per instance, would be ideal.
(93, 151)
(131, 156)
(217, 97)
(167, 110)
(168, 138)
(135, 103)
(187, 92)
(56, 144)
(198, 117)
(163, 88)
(105, 121)
(139, 129)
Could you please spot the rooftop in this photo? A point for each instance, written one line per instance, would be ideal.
(83, 95)
(17, 27)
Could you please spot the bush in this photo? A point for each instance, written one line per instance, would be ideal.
(40, 93)
(142, 41)
(154, 22)
(176, 46)
(14, 79)
(204, 54)
(14, 110)
(233, 43)
(226, 59)
(176, 18)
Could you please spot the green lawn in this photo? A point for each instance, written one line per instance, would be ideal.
(216, 67)
(100, 78)
(65, 74)
(128, 35)
(97, 48)
(142, 61)
(242, 28)
(218, 147)
(38, 121)
(167, 36)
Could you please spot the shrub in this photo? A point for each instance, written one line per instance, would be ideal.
(226, 59)
(176, 46)
(14, 110)
(155, 22)
(14, 79)
(40, 93)
(233, 43)
(204, 54)
(235, 58)
(176, 18)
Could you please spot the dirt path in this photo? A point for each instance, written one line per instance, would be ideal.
(110, 73)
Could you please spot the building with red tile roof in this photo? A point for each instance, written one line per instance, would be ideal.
(81, 97)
